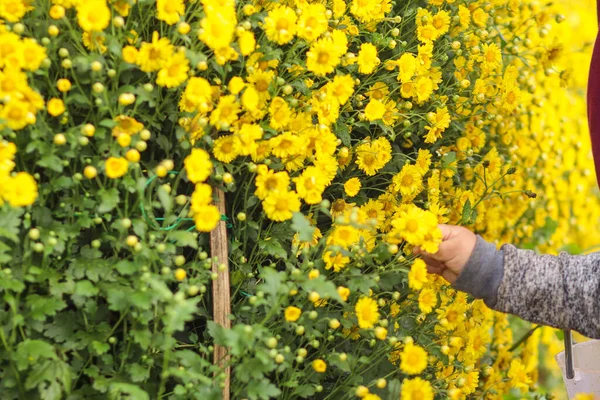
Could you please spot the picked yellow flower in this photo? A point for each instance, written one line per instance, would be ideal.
(417, 276)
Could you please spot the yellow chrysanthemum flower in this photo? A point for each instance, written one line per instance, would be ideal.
(367, 312)
(20, 190)
(116, 167)
(413, 359)
(93, 15)
(292, 314)
(170, 11)
(198, 166)
(281, 205)
(280, 24)
(416, 389)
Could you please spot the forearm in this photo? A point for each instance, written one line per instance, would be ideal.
(561, 291)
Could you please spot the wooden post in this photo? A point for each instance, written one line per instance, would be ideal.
(220, 289)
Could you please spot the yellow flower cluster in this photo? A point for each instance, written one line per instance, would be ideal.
(346, 130)
(20, 189)
(17, 56)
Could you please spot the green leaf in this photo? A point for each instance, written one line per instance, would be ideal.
(108, 123)
(341, 365)
(142, 337)
(117, 297)
(126, 267)
(29, 351)
(273, 247)
(448, 159)
(469, 214)
(79, 99)
(304, 391)
(41, 307)
(140, 227)
(394, 389)
(272, 281)
(262, 389)
(48, 370)
(343, 134)
(165, 199)
(51, 392)
(176, 315)
(134, 391)
(142, 300)
(51, 162)
(108, 200)
(85, 288)
(64, 182)
(217, 332)
(114, 46)
(183, 238)
(62, 328)
(11, 220)
(100, 347)
(324, 287)
(251, 368)
(138, 373)
(302, 225)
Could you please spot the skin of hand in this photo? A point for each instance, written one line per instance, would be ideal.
(454, 252)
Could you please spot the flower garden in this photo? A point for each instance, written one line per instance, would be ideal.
(324, 140)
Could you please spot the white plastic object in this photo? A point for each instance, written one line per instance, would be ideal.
(586, 357)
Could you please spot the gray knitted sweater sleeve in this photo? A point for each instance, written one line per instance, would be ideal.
(561, 291)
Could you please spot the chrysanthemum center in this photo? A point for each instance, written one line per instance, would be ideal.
(323, 57)
(92, 17)
(227, 147)
(271, 183)
(285, 144)
(282, 205)
(154, 53)
(171, 7)
(368, 159)
(262, 85)
(412, 225)
(407, 180)
(15, 113)
(282, 24)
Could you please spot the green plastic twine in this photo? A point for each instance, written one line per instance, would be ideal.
(228, 223)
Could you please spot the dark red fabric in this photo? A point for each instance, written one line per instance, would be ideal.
(593, 105)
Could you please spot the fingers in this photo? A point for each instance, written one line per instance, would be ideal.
(433, 266)
(447, 231)
(432, 261)
(449, 275)
(443, 254)
(435, 270)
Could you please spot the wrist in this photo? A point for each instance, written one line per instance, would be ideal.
(483, 272)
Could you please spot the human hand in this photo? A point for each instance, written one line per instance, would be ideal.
(454, 252)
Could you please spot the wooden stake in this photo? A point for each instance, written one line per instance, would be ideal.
(220, 289)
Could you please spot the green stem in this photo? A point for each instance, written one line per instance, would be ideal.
(524, 338)
(12, 364)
